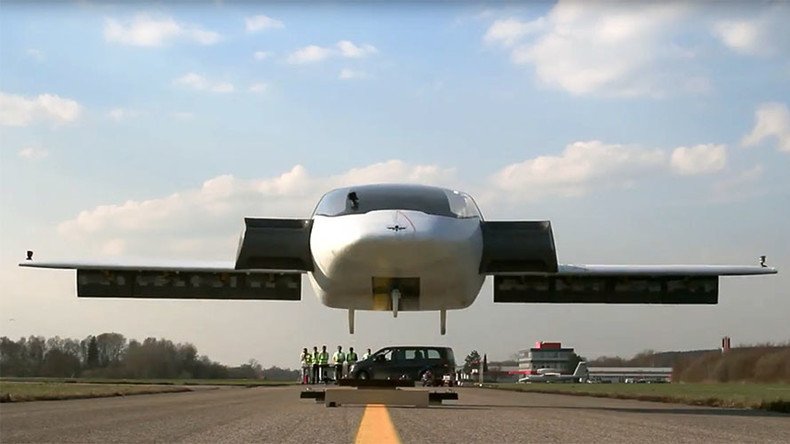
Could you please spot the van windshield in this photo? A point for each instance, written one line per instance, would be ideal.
(429, 200)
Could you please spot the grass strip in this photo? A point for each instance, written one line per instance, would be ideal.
(41, 391)
(771, 397)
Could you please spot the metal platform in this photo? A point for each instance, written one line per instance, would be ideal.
(387, 392)
(376, 383)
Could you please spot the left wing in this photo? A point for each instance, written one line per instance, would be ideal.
(135, 265)
(620, 284)
(178, 280)
(272, 255)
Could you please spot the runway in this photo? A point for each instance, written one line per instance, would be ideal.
(276, 414)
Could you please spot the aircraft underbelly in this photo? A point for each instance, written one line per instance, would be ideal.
(432, 261)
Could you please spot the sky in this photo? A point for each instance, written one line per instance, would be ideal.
(648, 133)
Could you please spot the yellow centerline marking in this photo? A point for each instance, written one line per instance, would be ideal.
(376, 427)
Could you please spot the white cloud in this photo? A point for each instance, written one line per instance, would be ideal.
(214, 211)
(258, 88)
(699, 159)
(588, 165)
(350, 50)
(771, 120)
(121, 114)
(262, 55)
(200, 83)
(349, 74)
(343, 48)
(309, 54)
(620, 49)
(580, 167)
(143, 30)
(32, 153)
(764, 34)
(511, 30)
(113, 247)
(261, 22)
(741, 36)
(18, 110)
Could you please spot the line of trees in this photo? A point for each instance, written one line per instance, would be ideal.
(111, 355)
(647, 358)
(746, 363)
(764, 363)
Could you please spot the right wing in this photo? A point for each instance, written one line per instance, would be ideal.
(620, 284)
(522, 257)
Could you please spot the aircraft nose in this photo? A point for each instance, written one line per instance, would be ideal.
(400, 227)
(409, 236)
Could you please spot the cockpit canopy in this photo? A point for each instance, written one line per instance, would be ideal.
(429, 200)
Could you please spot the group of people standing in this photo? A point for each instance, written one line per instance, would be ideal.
(315, 364)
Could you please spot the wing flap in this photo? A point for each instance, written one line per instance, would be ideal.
(189, 285)
(517, 246)
(620, 284)
(282, 244)
(610, 289)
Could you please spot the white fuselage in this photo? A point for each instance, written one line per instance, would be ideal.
(352, 251)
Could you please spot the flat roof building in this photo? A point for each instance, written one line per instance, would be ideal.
(546, 356)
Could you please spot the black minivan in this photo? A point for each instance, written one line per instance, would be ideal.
(410, 361)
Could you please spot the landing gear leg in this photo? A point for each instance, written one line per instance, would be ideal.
(351, 321)
(443, 321)
(395, 302)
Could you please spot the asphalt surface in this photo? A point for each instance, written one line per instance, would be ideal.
(276, 414)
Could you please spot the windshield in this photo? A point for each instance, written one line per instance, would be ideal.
(429, 200)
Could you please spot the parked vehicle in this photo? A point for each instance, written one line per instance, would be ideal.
(426, 364)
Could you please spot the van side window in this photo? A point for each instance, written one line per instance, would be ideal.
(433, 354)
(384, 356)
(398, 355)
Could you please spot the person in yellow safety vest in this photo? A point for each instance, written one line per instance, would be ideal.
(307, 362)
(366, 355)
(351, 359)
(323, 364)
(315, 378)
(339, 358)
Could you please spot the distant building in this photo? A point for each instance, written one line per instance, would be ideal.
(546, 356)
(552, 357)
(630, 374)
